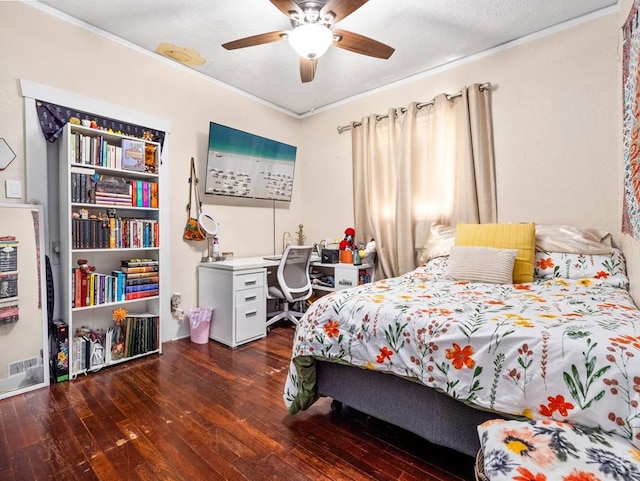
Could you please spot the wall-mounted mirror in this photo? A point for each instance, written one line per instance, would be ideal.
(24, 353)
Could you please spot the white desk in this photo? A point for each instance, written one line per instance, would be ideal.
(237, 292)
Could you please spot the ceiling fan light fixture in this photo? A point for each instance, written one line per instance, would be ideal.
(310, 40)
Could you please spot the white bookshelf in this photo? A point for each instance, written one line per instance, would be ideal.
(134, 233)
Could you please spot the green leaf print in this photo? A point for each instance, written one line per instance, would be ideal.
(579, 387)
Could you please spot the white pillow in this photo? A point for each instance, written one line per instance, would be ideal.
(481, 264)
(440, 240)
(574, 240)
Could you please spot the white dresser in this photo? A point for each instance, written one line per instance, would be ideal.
(236, 290)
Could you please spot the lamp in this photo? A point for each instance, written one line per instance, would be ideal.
(310, 40)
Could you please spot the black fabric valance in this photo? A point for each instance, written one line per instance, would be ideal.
(54, 117)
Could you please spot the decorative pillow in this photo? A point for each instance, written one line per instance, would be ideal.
(503, 236)
(567, 238)
(606, 269)
(552, 450)
(481, 264)
(440, 240)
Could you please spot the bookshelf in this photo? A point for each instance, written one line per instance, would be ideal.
(111, 259)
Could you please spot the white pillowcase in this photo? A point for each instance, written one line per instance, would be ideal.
(575, 240)
(440, 240)
(481, 264)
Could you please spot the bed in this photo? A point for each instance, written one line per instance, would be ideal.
(439, 356)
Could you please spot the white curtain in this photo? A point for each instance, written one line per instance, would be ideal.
(427, 163)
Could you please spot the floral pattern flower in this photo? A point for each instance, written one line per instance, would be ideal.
(512, 453)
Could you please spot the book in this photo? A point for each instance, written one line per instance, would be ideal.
(138, 275)
(154, 195)
(140, 295)
(142, 280)
(113, 185)
(138, 262)
(142, 287)
(136, 270)
(133, 155)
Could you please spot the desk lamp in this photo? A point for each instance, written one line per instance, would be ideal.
(210, 227)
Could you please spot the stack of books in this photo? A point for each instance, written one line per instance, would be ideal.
(110, 190)
(141, 278)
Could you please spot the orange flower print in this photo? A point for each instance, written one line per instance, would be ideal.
(627, 339)
(460, 356)
(556, 404)
(546, 263)
(331, 329)
(385, 353)
(601, 275)
(577, 475)
(525, 475)
(522, 287)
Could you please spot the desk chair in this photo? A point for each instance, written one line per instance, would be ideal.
(293, 283)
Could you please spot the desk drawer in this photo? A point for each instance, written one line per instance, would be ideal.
(247, 296)
(249, 280)
(251, 321)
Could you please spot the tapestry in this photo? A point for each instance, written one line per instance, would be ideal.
(54, 117)
(631, 124)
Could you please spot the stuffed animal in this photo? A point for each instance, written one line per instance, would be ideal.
(348, 243)
(150, 158)
(369, 252)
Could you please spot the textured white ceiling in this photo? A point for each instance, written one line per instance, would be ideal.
(425, 33)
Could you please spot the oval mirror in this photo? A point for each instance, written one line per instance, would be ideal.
(208, 224)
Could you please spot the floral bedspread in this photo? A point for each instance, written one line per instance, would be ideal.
(565, 347)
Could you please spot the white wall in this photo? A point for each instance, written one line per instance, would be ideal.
(555, 104)
(42, 48)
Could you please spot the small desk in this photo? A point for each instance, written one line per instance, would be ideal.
(237, 292)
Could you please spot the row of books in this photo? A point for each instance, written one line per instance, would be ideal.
(130, 154)
(114, 233)
(94, 288)
(87, 349)
(89, 188)
(138, 334)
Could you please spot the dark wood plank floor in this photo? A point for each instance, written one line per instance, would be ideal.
(204, 412)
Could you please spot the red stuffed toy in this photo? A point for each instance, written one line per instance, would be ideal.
(348, 243)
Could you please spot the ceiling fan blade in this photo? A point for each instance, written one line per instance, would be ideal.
(357, 43)
(255, 40)
(308, 69)
(286, 6)
(341, 8)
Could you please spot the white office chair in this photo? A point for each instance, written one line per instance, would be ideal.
(294, 283)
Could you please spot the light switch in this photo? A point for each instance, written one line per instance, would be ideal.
(13, 189)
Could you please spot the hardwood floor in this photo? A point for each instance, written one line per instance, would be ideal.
(205, 412)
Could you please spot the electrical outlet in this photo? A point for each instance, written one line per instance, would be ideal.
(176, 301)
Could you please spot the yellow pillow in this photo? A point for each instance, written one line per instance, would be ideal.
(504, 236)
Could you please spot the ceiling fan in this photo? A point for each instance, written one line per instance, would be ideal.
(312, 35)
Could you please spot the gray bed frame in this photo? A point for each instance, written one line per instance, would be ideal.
(421, 410)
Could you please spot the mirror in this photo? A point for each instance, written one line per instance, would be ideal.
(24, 353)
(210, 227)
(208, 224)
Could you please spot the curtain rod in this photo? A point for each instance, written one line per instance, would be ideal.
(344, 128)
